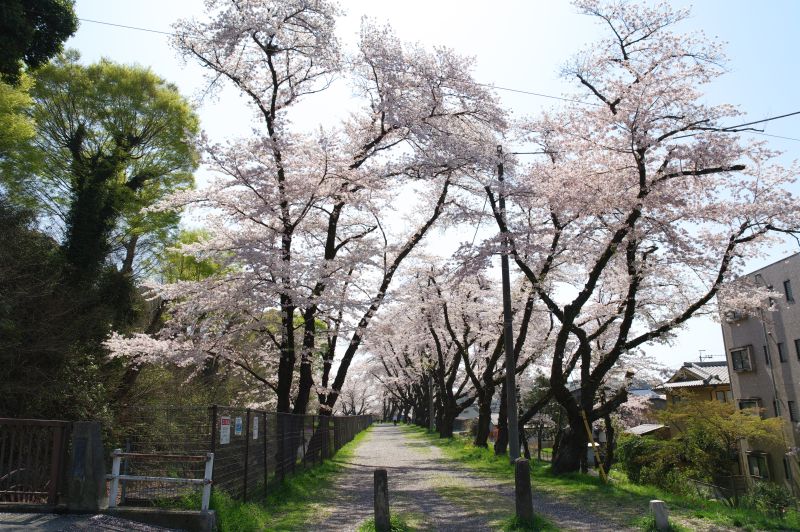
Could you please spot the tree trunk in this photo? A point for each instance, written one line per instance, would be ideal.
(449, 413)
(287, 360)
(609, 458)
(484, 417)
(571, 448)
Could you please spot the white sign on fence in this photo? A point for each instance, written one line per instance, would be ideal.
(237, 430)
(255, 427)
(224, 430)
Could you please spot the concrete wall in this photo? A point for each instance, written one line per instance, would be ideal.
(777, 381)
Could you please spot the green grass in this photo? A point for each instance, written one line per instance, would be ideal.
(489, 504)
(289, 504)
(538, 523)
(398, 522)
(620, 501)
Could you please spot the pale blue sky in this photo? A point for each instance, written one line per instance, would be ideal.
(519, 45)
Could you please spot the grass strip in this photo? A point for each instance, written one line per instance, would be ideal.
(289, 504)
(620, 501)
(398, 522)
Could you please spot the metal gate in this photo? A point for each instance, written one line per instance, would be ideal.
(32, 453)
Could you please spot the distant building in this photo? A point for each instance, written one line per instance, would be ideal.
(763, 354)
(706, 380)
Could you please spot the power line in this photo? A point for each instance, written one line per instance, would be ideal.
(497, 87)
(126, 27)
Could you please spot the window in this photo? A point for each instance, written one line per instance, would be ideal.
(676, 399)
(766, 356)
(781, 352)
(787, 469)
(720, 397)
(740, 359)
(787, 290)
(729, 396)
(757, 465)
(793, 414)
(797, 348)
(746, 404)
(777, 407)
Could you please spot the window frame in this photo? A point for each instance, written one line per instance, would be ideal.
(758, 456)
(782, 352)
(787, 291)
(748, 352)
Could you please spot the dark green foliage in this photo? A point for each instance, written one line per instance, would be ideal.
(49, 331)
(31, 32)
(769, 498)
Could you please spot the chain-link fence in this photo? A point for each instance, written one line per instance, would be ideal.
(251, 448)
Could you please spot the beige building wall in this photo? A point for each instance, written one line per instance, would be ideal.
(772, 340)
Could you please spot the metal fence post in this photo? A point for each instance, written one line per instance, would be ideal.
(246, 453)
(57, 451)
(214, 417)
(112, 493)
(207, 482)
(265, 456)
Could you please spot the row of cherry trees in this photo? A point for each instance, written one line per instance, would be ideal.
(639, 208)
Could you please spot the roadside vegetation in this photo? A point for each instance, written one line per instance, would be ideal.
(621, 500)
(289, 505)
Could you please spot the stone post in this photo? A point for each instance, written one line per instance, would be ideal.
(382, 520)
(659, 511)
(86, 480)
(523, 495)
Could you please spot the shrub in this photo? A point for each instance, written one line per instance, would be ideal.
(769, 498)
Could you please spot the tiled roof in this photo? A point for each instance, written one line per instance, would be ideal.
(693, 374)
(715, 372)
(641, 430)
(684, 384)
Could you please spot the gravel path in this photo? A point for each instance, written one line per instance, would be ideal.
(435, 491)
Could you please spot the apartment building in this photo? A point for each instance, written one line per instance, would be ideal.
(763, 354)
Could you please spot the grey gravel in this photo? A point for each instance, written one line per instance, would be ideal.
(42, 522)
(437, 492)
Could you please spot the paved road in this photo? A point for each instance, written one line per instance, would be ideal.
(438, 493)
(71, 523)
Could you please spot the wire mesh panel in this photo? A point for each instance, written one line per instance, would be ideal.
(251, 448)
(162, 436)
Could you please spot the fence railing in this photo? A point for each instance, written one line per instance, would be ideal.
(32, 453)
(251, 448)
(115, 477)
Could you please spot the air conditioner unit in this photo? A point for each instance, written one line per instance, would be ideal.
(732, 316)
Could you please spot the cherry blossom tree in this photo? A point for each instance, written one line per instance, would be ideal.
(305, 224)
(642, 206)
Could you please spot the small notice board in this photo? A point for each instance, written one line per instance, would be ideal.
(224, 430)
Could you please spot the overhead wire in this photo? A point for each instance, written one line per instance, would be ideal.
(509, 89)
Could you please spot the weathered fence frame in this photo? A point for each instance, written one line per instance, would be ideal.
(115, 477)
(40, 447)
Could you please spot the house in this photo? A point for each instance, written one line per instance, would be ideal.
(763, 353)
(707, 380)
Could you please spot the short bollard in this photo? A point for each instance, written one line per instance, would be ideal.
(382, 521)
(659, 511)
(523, 495)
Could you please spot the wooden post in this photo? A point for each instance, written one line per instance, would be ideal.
(523, 495)
(382, 519)
(594, 447)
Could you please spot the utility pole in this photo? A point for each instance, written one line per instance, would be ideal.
(508, 331)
